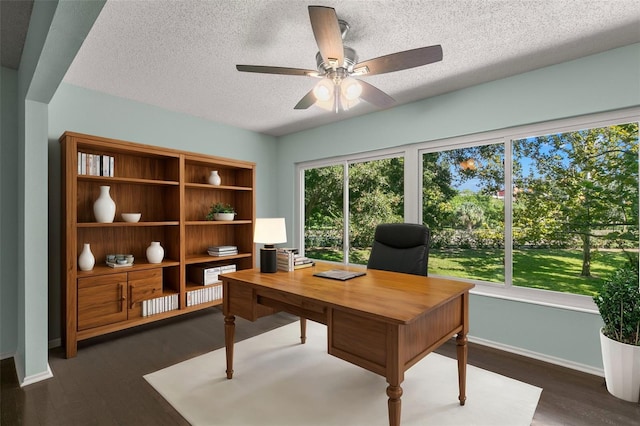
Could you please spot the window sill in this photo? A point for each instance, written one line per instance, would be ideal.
(574, 302)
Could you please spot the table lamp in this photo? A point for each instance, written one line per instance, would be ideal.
(269, 231)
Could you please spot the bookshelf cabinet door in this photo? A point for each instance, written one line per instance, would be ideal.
(102, 300)
(143, 285)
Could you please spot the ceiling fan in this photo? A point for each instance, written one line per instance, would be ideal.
(337, 66)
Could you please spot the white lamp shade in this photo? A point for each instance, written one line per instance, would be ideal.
(270, 231)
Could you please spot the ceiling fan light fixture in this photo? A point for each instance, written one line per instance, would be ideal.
(351, 89)
(323, 91)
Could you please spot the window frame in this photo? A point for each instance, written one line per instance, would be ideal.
(412, 154)
(343, 161)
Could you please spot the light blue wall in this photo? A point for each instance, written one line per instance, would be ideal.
(8, 212)
(603, 82)
(80, 110)
(56, 31)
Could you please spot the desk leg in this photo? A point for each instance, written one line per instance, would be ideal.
(394, 392)
(229, 331)
(303, 330)
(461, 348)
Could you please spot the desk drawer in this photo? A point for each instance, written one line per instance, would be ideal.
(293, 304)
(241, 300)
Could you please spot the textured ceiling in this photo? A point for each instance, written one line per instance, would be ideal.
(181, 55)
(14, 21)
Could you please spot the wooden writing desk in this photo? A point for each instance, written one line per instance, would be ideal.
(384, 321)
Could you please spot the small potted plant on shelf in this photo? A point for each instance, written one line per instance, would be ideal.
(221, 211)
(619, 306)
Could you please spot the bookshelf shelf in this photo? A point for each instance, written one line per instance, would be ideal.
(170, 189)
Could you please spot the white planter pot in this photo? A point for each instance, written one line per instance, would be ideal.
(223, 216)
(621, 368)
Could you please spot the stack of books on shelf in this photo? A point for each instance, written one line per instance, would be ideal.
(205, 294)
(222, 250)
(207, 273)
(159, 305)
(95, 164)
(289, 260)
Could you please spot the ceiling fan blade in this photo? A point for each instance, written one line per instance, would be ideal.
(326, 30)
(277, 70)
(375, 96)
(308, 100)
(399, 61)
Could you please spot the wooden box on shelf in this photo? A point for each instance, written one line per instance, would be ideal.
(170, 189)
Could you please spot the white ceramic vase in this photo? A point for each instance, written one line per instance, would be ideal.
(86, 260)
(155, 252)
(104, 208)
(621, 368)
(214, 178)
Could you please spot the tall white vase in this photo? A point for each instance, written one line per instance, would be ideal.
(86, 260)
(155, 252)
(104, 208)
(214, 178)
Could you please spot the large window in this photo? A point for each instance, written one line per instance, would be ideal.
(551, 207)
(575, 207)
(367, 192)
(463, 206)
(571, 206)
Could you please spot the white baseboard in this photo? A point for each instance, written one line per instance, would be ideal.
(541, 357)
(6, 355)
(34, 378)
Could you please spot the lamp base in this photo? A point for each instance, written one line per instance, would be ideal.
(268, 259)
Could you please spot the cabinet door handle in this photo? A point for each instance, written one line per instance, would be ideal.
(131, 301)
(123, 297)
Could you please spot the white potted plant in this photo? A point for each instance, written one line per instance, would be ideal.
(619, 306)
(221, 211)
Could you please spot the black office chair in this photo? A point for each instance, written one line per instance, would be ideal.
(400, 247)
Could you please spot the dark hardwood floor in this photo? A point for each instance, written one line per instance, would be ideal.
(103, 385)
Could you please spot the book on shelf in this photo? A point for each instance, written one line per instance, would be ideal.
(222, 250)
(222, 253)
(204, 295)
(207, 273)
(160, 305)
(95, 164)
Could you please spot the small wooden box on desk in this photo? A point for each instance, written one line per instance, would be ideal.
(170, 189)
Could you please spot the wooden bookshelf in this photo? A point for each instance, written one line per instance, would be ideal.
(171, 190)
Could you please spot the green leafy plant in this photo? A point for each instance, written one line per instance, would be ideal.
(220, 208)
(619, 305)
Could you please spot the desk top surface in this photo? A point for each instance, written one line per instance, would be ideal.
(394, 296)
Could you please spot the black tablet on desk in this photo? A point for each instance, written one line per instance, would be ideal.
(340, 274)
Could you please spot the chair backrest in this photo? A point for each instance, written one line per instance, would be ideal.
(400, 247)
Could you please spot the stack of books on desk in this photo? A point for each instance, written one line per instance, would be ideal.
(222, 250)
(290, 260)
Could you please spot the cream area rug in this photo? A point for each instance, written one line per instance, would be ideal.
(278, 381)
